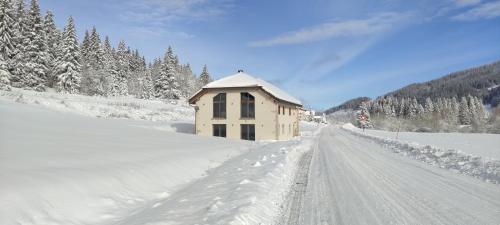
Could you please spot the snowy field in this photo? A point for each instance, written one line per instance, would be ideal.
(102, 107)
(473, 154)
(59, 167)
(484, 145)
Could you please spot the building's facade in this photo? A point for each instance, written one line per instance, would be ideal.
(243, 107)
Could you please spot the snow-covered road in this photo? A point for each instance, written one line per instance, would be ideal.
(356, 181)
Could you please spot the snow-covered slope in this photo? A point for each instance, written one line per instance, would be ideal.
(112, 107)
(64, 168)
(59, 168)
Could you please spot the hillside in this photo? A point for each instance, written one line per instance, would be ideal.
(478, 81)
(351, 104)
(482, 81)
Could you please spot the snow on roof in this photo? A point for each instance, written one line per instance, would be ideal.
(242, 79)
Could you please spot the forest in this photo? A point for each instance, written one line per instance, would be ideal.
(36, 55)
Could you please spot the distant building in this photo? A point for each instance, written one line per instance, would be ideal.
(243, 107)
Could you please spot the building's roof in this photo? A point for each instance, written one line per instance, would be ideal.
(242, 79)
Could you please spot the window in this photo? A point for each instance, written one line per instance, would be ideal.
(279, 109)
(283, 110)
(247, 105)
(219, 130)
(289, 111)
(220, 105)
(248, 132)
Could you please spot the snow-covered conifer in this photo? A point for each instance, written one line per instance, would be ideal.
(122, 58)
(95, 52)
(68, 67)
(413, 110)
(35, 68)
(4, 76)
(166, 85)
(429, 105)
(7, 22)
(19, 60)
(464, 112)
(204, 77)
(110, 67)
(53, 39)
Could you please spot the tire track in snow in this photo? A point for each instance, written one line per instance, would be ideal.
(355, 181)
(294, 202)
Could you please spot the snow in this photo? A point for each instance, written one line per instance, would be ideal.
(493, 87)
(59, 168)
(471, 154)
(62, 162)
(480, 144)
(242, 79)
(126, 107)
(355, 181)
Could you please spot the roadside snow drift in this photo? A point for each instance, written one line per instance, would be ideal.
(471, 154)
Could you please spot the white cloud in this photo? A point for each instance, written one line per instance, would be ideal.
(463, 3)
(484, 11)
(348, 28)
(160, 12)
(155, 32)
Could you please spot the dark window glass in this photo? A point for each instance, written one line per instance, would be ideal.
(248, 132)
(247, 105)
(219, 130)
(220, 106)
(289, 111)
(279, 109)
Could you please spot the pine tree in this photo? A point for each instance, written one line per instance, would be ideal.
(122, 59)
(110, 67)
(454, 110)
(35, 68)
(464, 112)
(204, 77)
(413, 109)
(68, 67)
(94, 76)
(84, 48)
(19, 59)
(166, 86)
(53, 39)
(95, 52)
(7, 43)
(4, 76)
(7, 49)
(146, 85)
(403, 108)
(481, 111)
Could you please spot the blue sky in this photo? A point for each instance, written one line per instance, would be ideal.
(323, 52)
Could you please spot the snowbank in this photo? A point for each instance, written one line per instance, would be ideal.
(485, 168)
(248, 189)
(104, 107)
(62, 168)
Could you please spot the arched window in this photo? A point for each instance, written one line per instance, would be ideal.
(220, 105)
(247, 105)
